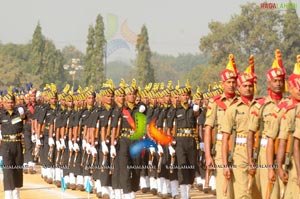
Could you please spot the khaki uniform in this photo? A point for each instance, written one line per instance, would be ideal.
(215, 113)
(238, 115)
(286, 126)
(262, 112)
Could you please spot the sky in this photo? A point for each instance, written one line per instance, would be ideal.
(174, 26)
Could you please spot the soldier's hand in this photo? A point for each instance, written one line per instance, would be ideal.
(50, 141)
(70, 145)
(104, 148)
(209, 161)
(271, 175)
(33, 138)
(227, 173)
(58, 146)
(76, 147)
(113, 151)
(252, 169)
(283, 175)
(63, 144)
(38, 142)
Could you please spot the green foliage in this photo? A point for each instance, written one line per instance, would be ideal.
(145, 71)
(255, 31)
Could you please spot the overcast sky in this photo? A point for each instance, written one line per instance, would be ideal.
(174, 26)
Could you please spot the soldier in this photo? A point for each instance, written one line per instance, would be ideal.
(260, 120)
(234, 128)
(114, 147)
(200, 173)
(46, 132)
(11, 120)
(130, 177)
(185, 146)
(288, 149)
(214, 115)
(28, 131)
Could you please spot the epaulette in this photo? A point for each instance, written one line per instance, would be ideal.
(260, 102)
(289, 107)
(217, 97)
(282, 105)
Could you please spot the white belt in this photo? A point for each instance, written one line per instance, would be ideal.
(219, 136)
(241, 140)
(263, 142)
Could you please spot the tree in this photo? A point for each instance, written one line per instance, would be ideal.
(255, 31)
(291, 38)
(145, 71)
(98, 70)
(37, 50)
(88, 59)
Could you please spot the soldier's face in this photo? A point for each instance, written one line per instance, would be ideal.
(184, 98)
(130, 97)
(295, 92)
(276, 85)
(90, 100)
(9, 104)
(145, 100)
(120, 99)
(108, 99)
(53, 100)
(167, 99)
(246, 89)
(229, 86)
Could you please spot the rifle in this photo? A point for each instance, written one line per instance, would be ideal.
(75, 158)
(36, 153)
(104, 160)
(70, 158)
(206, 187)
(112, 165)
(269, 190)
(62, 156)
(57, 158)
(50, 153)
(174, 127)
(172, 163)
(150, 162)
(159, 163)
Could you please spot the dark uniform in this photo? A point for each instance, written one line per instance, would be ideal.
(11, 146)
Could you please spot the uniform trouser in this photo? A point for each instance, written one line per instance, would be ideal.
(292, 189)
(129, 167)
(261, 178)
(29, 146)
(240, 176)
(104, 165)
(164, 163)
(12, 165)
(186, 154)
(116, 174)
(220, 177)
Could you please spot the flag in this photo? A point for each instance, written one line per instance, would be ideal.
(88, 186)
(63, 184)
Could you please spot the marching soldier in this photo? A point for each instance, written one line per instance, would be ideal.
(214, 115)
(130, 177)
(185, 146)
(260, 122)
(234, 128)
(288, 149)
(119, 94)
(11, 120)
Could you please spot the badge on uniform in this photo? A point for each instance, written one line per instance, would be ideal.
(16, 120)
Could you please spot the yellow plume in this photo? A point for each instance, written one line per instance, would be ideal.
(297, 66)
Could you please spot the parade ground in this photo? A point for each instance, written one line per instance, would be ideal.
(36, 187)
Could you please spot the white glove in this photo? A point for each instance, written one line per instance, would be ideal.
(104, 148)
(0, 135)
(152, 150)
(113, 151)
(202, 146)
(76, 147)
(38, 142)
(58, 146)
(160, 149)
(70, 144)
(142, 108)
(21, 110)
(93, 150)
(88, 148)
(33, 138)
(50, 141)
(62, 143)
(196, 107)
(171, 150)
(83, 144)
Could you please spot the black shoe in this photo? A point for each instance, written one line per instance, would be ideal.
(199, 187)
(207, 189)
(154, 191)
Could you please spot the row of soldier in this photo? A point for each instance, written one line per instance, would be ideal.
(86, 135)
